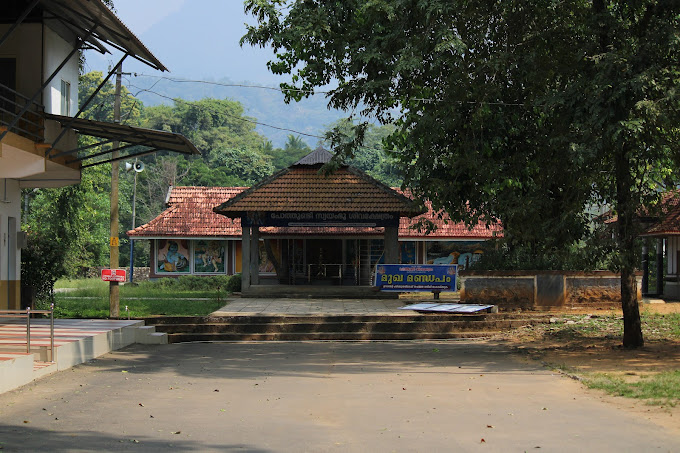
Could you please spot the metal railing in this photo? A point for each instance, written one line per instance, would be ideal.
(31, 124)
(20, 314)
(324, 271)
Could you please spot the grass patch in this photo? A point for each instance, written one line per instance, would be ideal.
(98, 307)
(660, 389)
(184, 296)
(579, 327)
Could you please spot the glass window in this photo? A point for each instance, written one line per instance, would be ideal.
(65, 98)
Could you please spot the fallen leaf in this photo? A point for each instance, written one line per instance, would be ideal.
(482, 441)
(124, 371)
(141, 405)
(489, 426)
(176, 432)
(26, 421)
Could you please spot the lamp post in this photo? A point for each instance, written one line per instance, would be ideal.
(138, 167)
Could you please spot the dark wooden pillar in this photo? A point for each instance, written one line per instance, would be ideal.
(255, 255)
(245, 258)
(391, 245)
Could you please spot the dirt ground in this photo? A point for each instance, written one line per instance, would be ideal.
(606, 355)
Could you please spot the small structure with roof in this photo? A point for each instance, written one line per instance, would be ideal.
(302, 226)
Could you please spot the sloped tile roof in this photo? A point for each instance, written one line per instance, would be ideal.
(305, 188)
(190, 214)
(668, 222)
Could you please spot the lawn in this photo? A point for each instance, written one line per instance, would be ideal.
(186, 296)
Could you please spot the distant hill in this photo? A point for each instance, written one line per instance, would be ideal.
(310, 116)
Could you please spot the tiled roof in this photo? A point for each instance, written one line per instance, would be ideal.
(305, 188)
(318, 156)
(190, 214)
(668, 223)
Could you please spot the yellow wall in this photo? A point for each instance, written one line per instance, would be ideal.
(14, 295)
(237, 257)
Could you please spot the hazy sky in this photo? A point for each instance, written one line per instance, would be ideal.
(193, 38)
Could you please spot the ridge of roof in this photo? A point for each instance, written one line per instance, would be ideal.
(316, 157)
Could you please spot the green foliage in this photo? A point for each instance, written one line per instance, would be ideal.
(41, 266)
(294, 150)
(75, 219)
(527, 112)
(189, 283)
(234, 284)
(658, 388)
(69, 307)
(371, 157)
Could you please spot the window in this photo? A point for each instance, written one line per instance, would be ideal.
(65, 98)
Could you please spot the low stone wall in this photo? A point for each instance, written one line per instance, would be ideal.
(531, 290)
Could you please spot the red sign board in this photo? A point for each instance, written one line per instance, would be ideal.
(114, 275)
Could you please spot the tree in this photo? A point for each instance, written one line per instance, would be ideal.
(519, 110)
(294, 150)
(371, 157)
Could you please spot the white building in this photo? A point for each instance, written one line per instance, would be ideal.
(40, 42)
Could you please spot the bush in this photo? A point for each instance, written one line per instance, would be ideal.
(580, 257)
(192, 283)
(41, 266)
(234, 284)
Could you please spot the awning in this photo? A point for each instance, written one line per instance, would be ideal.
(87, 15)
(130, 137)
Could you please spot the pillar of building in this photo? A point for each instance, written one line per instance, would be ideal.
(255, 255)
(245, 258)
(645, 266)
(659, 266)
(391, 245)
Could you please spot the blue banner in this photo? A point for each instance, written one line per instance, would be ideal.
(416, 277)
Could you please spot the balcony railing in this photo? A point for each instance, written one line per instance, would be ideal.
(31, 123)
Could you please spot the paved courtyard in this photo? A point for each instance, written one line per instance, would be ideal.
(317, 397)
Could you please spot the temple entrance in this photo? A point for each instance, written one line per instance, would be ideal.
(329, 261)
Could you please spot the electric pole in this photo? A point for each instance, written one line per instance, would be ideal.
(114, 289)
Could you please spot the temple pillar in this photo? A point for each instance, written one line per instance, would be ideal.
(255, 255)
(659, 266)
(391, 245)
(245, 258)
(645, 266)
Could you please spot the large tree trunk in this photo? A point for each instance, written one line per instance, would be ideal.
(626, 234)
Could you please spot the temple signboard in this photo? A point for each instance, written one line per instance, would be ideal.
(321, 219)
(416, 277)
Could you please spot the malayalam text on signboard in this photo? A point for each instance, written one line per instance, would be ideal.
(416, 277)
(114, 275)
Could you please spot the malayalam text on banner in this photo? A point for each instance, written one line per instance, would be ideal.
(416, 277)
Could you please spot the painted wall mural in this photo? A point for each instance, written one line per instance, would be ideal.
(173, 256)
(209, 257)
(462, 253)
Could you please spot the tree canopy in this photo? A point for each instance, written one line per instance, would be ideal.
(524, 111)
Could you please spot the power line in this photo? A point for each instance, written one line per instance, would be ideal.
(229, 85)
(311, 92)
(195, 104)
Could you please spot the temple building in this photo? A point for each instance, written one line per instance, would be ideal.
(304, 227)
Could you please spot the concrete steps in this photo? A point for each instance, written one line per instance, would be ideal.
(336, 327)
(75, 341)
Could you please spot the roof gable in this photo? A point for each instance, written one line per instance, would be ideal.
(303, 188)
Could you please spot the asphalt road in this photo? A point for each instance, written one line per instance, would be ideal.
(318, 397)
